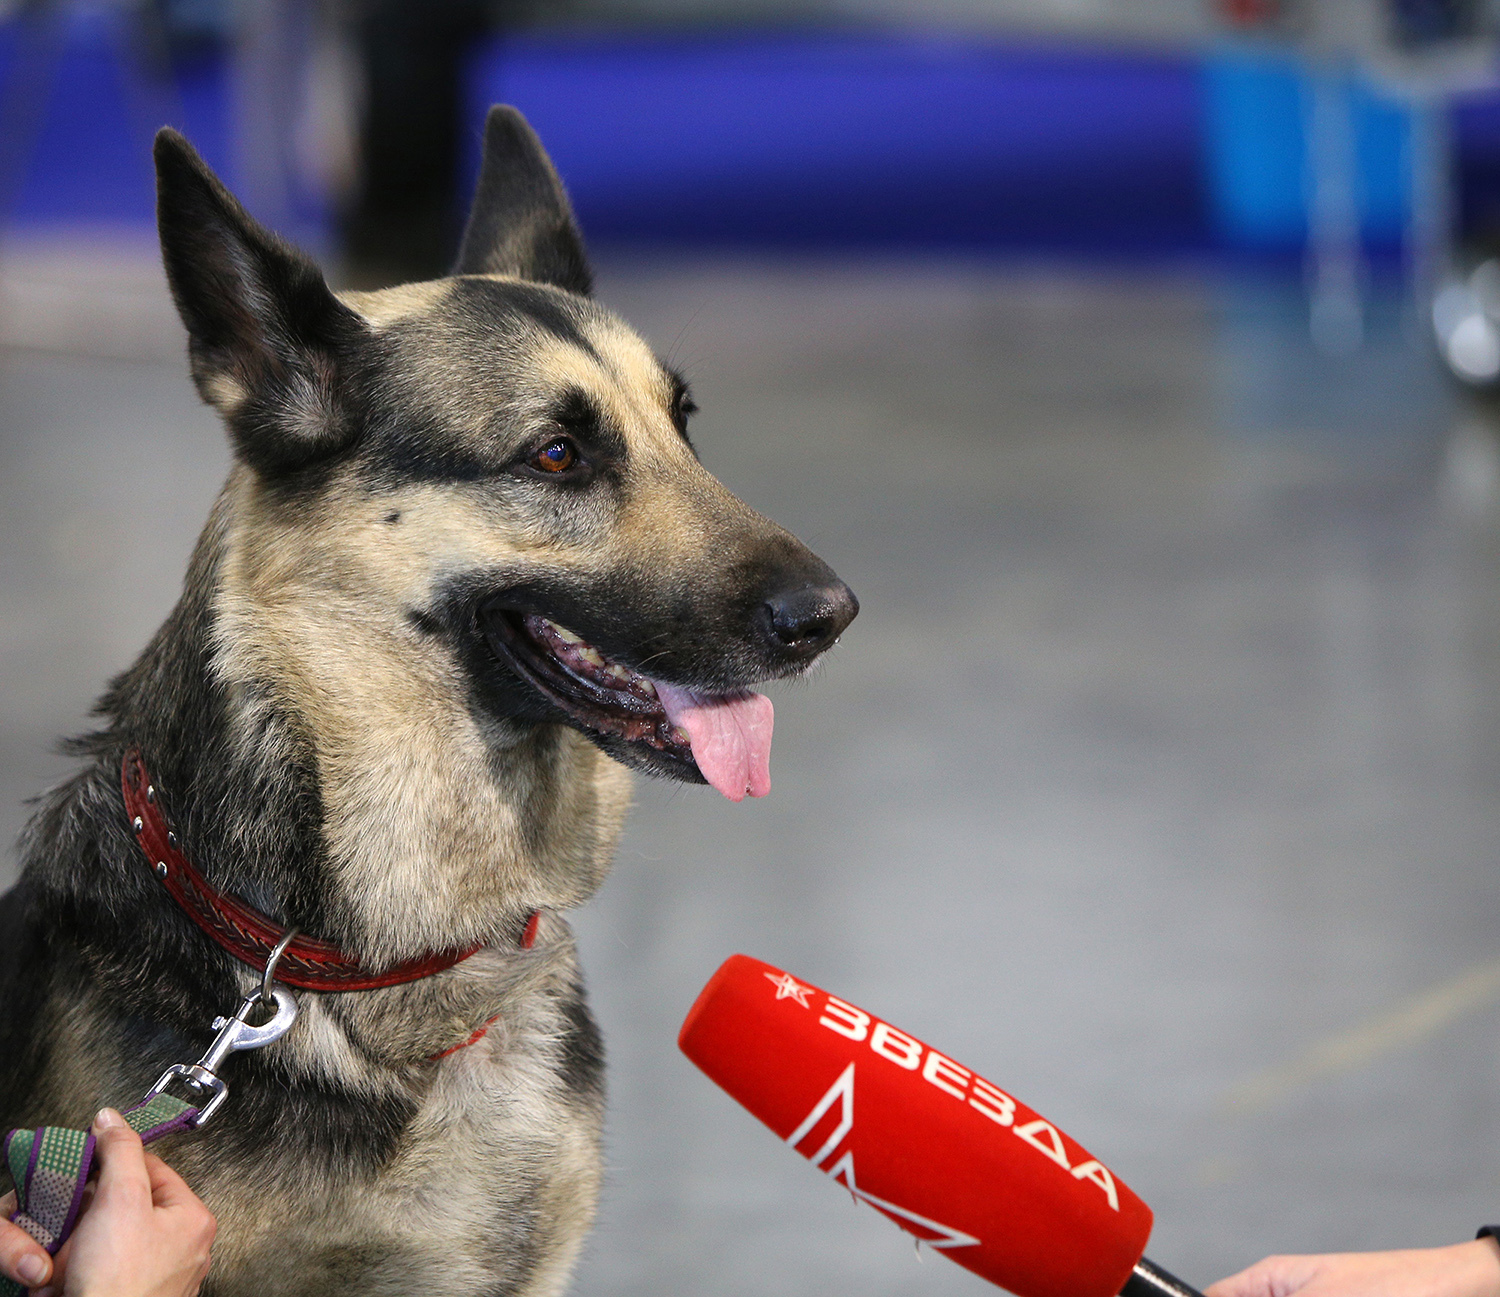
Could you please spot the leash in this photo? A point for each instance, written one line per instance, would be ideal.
(51, 1164)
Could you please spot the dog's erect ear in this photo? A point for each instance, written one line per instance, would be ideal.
(266, 336)
(521, 223)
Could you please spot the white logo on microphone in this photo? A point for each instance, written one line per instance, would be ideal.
(842, 1093)
(907, 1052)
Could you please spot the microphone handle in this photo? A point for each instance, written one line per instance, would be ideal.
(1150, 1280)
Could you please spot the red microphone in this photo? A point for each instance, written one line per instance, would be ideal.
(947, 1155)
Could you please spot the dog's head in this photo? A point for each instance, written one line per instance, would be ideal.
(489, 478)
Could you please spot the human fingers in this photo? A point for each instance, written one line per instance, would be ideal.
(22, 1258)
(123, 1180)
(168, 1189)
(1460, 1270)
(201, 1275)
(170, 1192)
(1273, 1276)
(130, 1243)
(59, 1281)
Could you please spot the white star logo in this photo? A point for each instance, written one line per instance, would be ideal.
(789, 988)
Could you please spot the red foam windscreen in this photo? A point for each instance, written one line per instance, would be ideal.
(944, 1153)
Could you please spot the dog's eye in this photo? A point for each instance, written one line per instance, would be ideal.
(557, 456)
(683, 408)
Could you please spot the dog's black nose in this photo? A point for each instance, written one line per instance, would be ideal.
(806, 619)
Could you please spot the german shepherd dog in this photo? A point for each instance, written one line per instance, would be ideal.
(466, 569)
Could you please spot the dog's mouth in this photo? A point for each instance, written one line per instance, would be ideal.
(725, 738)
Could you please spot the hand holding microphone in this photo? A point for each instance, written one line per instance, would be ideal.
(946, 1154)
(1460, 1270)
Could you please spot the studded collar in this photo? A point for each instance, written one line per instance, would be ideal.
(311, 963)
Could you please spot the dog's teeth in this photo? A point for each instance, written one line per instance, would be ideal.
(616, 672)
(644, 687)
(589, 654)
(680, 735)
(564, 634)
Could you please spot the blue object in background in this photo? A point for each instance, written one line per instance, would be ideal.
(1476, 141)
(1382, 144)
(1256, 156)
(77, 114)
(862, 139)
(1255, 110)
(798, 138)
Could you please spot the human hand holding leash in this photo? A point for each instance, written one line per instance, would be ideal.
(1462, 1270)
(145, 1233)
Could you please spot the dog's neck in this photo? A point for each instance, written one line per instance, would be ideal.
(319, 769)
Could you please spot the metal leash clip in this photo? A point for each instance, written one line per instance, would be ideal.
(235, 1034)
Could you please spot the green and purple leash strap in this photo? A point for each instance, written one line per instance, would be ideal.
(50, 1166)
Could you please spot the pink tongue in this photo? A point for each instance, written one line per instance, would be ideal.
(731, 737)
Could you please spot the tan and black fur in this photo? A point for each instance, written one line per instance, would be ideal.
(344, 718)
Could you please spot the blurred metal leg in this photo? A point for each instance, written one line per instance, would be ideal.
(1335, 264)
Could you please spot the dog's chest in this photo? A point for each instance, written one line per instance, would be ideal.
(491, 1189)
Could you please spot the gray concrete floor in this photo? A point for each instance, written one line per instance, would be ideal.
(1157, 779)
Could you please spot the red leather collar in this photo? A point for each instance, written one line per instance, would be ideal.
(308, 962)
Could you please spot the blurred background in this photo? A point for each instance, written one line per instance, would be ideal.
(1132, 359)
